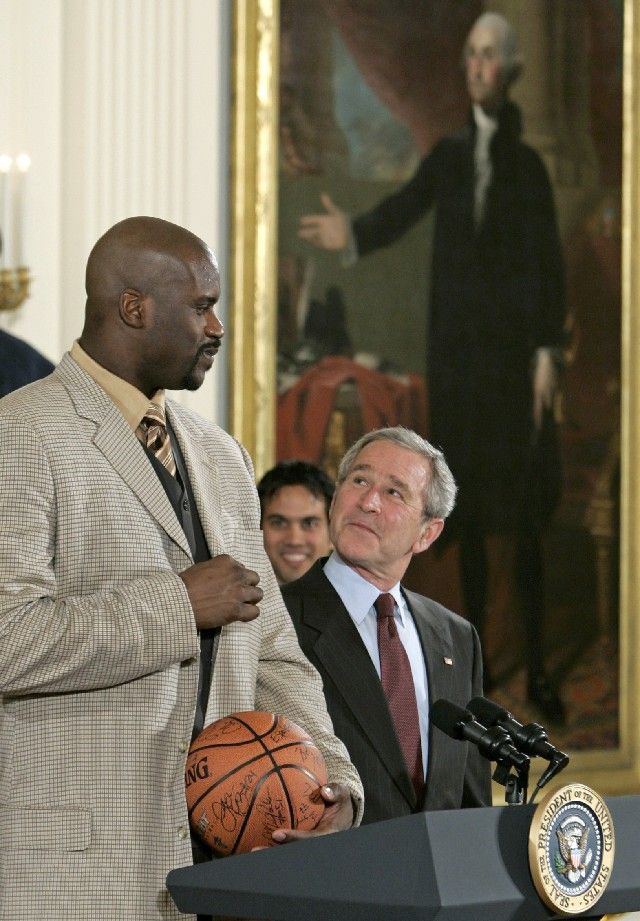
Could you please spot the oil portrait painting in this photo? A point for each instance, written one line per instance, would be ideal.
(462, 275)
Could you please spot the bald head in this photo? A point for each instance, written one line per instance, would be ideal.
(138, 252)
(145, 279)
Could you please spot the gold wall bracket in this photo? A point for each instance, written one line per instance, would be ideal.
(14, 287)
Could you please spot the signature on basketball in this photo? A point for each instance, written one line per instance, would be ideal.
(279, 733)
(273, 812)
(306, 808)
(304, 752)
(233, 805)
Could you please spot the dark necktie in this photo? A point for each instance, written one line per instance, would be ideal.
(397, 683)
(153, 433)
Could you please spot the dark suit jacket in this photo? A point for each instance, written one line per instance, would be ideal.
(456, 775)
(20, 363)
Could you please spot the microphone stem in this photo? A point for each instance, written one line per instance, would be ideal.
(515, 784)
(558, 763)
(520, 784)
(515, 794)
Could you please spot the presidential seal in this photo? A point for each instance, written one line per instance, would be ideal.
(571, 848)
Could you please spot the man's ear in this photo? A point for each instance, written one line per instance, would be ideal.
(431, 532)
(132, 308)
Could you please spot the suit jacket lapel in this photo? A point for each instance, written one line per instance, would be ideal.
(120, 447)
(438, 650)
(345, 658)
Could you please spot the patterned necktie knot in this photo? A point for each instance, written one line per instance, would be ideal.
(154, 435)
(385, 606)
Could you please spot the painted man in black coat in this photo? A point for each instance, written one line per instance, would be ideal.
(393, 493)
(496, 320)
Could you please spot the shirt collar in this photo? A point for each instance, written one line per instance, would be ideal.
(484, 122)
(131, 402)
(357, 594)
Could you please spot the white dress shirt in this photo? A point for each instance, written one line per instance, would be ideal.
(486, 128)
(358, 597)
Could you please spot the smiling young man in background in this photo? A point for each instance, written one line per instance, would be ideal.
(295, 497)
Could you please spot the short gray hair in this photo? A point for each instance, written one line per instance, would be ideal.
(510, 53)
(441, 489)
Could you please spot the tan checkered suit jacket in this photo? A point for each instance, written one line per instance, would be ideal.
(98, 651)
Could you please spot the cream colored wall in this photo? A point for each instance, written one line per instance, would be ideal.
(30, 74)
(123, 106)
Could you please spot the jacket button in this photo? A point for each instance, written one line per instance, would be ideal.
(182, 832)
(183, 746)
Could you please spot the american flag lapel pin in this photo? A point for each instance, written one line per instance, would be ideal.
(448, 660)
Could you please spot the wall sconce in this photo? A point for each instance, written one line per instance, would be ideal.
(14, 274)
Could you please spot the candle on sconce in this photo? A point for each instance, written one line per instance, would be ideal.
(5, 208)
(23, 162)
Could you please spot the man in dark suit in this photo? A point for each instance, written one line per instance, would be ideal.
(393, 492)
(496, 315)
(20, 363)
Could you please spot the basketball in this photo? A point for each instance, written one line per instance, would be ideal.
(248, 774)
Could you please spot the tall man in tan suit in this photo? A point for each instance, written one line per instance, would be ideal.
(130, 611)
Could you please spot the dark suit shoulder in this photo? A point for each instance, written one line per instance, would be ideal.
(419, 603)
(314, 580)
(451, 143)
(20, 363)
(312, 592)
(455, 633)
(533, 170)
(11, 346)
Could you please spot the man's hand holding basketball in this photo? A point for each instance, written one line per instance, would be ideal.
(338, 815)
(221, 591)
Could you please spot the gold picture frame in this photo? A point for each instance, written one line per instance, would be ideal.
(253, 329)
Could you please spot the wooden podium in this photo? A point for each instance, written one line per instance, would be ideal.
(459, 865)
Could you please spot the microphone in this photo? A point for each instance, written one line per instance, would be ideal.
(530, 739)
(493, 743)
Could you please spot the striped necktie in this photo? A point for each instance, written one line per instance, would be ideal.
(153, 433)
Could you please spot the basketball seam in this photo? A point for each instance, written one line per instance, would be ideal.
(244, 764)
(275, 770)
(256, 736)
